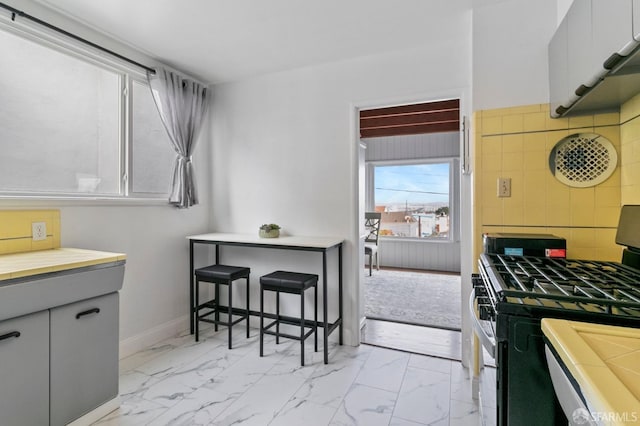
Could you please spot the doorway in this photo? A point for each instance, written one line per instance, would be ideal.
(411, 160)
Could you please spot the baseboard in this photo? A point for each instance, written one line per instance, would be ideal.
(143, 340)
(92, 416)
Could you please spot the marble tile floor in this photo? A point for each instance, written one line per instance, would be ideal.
(181, 382)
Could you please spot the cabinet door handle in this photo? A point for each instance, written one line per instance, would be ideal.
(89, 312)
(10, 335)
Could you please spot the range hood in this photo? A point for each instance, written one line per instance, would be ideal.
(594, 57)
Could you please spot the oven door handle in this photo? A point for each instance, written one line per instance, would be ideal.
(485, 339)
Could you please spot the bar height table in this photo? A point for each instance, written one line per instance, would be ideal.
(314, 244)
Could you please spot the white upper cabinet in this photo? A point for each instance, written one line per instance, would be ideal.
(560, 94)
(611, 28)
(591, 56)
(636, 20)
(583, 67)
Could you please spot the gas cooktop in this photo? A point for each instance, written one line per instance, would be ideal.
(566, 284)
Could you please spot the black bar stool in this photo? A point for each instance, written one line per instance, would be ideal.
(295, 283)
(220, 275)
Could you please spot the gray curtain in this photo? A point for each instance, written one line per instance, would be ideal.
(182, 104)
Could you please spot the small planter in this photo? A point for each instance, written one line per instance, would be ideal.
(274, 233)
(269, 231)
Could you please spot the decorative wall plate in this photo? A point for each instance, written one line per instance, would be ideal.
(583, 159)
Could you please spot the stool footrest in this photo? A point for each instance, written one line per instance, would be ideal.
(211, 304)
(234, 322)
(223, 310)
(306, 325)
(266, 330)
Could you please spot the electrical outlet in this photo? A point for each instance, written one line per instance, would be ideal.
(39, 231)
(504, 187)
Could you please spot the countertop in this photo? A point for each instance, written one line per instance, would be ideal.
(25, 264)
(604, 360)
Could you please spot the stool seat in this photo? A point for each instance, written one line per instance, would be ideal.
(288, 282)
(222, 272)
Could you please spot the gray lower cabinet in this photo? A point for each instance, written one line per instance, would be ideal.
(84, 357)
(24, 370)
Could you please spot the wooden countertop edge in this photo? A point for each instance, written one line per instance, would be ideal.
(52, 260)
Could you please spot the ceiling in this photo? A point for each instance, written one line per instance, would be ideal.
(227, 40)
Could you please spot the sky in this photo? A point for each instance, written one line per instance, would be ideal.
(413, 184)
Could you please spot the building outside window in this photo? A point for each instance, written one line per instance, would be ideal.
(414, 199)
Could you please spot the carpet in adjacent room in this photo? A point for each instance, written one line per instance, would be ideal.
(422, 298)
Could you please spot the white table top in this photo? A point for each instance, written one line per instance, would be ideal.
(283, 240)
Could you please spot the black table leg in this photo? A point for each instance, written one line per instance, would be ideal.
(340, 291)
(324, 308)
(191, 290)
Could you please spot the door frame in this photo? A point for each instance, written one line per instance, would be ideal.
(465, 203)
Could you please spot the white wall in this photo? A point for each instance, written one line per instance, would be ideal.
(510, 65)
(285, 148)
(154, 298)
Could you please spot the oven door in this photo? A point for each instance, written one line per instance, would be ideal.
(483, 337)
(483, 329)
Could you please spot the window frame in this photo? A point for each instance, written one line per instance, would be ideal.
(128, 177)
(453, 163)
(127, 74)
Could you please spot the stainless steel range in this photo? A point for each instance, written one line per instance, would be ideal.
(515, 292)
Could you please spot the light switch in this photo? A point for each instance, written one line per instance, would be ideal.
(504, 187)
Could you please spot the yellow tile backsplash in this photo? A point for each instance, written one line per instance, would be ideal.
(535, 214)
(536, 160)
(582, 121)
(15, 230)
(512, 161)
(534, 121)
(555, 123)
(630, 151)
(583, 198)
(608, 119)
(513, 123)
(515, 143)
(492, 125)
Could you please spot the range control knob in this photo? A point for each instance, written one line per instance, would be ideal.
(485, 312)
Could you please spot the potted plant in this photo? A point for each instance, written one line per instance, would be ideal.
(270, 230)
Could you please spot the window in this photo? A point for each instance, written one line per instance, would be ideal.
(414, 199)
(151, 152)
(71, 124)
